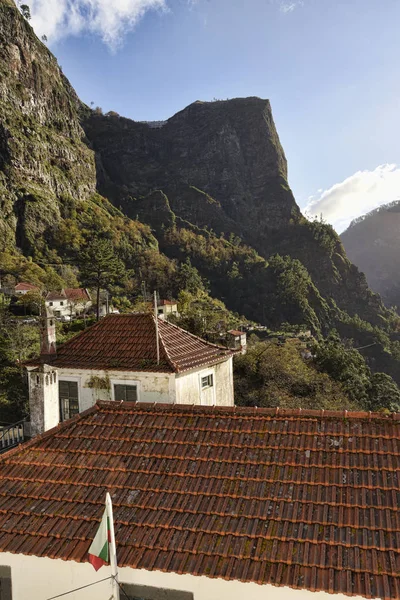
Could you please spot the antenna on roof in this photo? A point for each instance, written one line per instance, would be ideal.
(156, 320)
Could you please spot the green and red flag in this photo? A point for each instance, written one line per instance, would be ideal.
(99, 554)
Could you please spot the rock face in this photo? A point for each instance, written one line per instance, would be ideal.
(43, 159)
(229, 150)
(373, 244)
(222, 167)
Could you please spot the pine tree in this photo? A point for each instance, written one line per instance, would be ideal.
(100, 267)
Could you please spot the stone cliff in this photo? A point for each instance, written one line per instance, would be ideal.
(43, 159)
(373, 244)
(222, 167)
(229, 150)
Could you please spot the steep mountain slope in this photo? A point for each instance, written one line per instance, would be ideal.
(221, 166)
(210, 184)
(48, 199)
(373, 244)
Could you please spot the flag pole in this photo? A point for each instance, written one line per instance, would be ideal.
(113, 550)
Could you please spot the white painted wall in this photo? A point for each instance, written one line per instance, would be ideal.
(67, 308)
(224, 391)
(167, 388)
(36, 578)
(60, 308)
(152, 387)
(189, 390)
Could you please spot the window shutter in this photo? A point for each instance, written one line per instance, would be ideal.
(131, 393)
(125, 393)
(5, 583)
(119, 393)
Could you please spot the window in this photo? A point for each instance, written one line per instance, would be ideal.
(61, 303)
(125, 393)
(5, 583)
(146, 592)
(69, 403)
(50, 304)
(207, 381)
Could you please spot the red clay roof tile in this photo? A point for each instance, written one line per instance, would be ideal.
(128, 342)
(282, 497)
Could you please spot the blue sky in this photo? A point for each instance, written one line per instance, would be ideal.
(330, 69)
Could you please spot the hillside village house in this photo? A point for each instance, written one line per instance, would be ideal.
(209, 504)
(166, 308)
(23, 288)
(69, 302)
(237, 339)
(126, 358)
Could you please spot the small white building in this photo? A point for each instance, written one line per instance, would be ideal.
(24, 287)
(237, 340)
(69, 302)
(128, 357)
(165, 308)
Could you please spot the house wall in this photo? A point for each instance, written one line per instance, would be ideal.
(67, 308)
(36, 578)
(224, 383)
(189, 391)
(58, 309)
(152, 387)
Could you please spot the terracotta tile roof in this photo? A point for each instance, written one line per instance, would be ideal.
(56, 296)
(76, 294)
(301, 499)
(24, 286)
(167, 303)
(128, 342)
(236, 332)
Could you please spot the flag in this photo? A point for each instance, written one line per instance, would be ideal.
(98, 551)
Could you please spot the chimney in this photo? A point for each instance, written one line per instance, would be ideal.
(44, 406)
(48, 334)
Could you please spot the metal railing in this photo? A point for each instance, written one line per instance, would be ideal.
(12, 435)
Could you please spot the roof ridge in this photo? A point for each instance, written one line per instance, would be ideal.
(196, 337)
(172, 364)
(215, 411)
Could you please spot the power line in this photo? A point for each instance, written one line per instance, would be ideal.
(81, 588)
(120, 587)
(369, 346)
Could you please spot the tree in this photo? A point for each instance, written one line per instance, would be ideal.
(345, 365)
(270, 375)
(33, 302)
(18, 342)
(100, 267)
(188, 278)
(26, 11)
(384, 393)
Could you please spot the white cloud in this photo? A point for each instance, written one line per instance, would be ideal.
(288, 7)
(356, 195)
(111, 19)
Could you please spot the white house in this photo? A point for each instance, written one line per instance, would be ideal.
(129, 357)
(237, 339)
(166, 308)
(69, 302)
(24, 287)
(209, 504)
